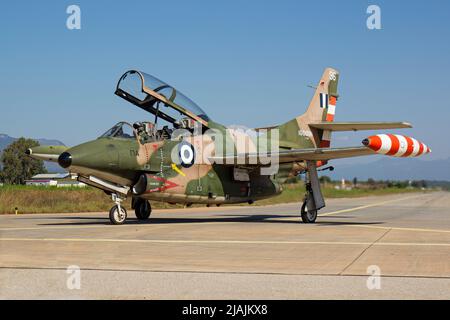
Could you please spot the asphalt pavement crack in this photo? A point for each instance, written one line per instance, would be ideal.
(364, 251)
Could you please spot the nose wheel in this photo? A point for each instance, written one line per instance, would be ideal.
(117, 214)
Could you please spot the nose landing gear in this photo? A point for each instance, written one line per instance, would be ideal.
(117, 214)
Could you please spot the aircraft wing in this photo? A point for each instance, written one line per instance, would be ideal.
(293, 155)
(355, 126)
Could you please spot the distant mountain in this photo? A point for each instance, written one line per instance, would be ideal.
(6, 140)
(394, 169)
(53, 167)
(49, 142)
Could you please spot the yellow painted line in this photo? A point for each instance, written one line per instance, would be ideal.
(401, 228)
(414, 244)
(262, 242)
(366, 206)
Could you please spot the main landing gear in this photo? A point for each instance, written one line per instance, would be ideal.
(313, 200)
(142, 208)
(308, 216)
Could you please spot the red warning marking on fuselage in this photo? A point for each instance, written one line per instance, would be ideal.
(166, 184)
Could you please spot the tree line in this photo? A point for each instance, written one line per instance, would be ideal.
(16, 166)
(371, 183)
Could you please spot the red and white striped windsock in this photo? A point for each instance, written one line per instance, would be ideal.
(396, 145)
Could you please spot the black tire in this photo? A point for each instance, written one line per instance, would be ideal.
(142, 209)
(308, 217)
(117, 218)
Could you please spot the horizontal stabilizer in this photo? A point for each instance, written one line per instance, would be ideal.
(355, 126)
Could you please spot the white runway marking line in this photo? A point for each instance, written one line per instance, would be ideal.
(58, 227)
(224, 241)
(401, 228)
(155, 226)
(366, 206)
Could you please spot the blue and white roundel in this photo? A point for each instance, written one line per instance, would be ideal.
(187, 154)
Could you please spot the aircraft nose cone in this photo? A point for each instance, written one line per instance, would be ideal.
(65, 160)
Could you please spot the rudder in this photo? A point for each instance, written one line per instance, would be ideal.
(297, 133)
(323, 105)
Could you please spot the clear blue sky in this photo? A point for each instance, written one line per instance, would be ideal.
(244, 62)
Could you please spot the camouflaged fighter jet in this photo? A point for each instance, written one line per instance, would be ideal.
(208, 163)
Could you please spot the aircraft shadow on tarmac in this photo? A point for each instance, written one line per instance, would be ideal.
(222, 218)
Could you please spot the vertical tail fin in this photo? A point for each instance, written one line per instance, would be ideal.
(323, 105)
(297, 133)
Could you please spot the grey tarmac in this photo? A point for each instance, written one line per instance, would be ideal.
(242, 252)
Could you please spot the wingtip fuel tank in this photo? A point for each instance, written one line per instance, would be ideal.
(396, 145)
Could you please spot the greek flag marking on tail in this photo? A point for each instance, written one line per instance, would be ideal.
(331, 109)
(324, 100)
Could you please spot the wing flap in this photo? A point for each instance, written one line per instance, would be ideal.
(355, 126)
(293, 155)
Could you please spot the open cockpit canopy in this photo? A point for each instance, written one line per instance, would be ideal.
(157, 97)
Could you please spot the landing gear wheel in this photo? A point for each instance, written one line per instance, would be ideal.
(116, 216)
(308, 216)
(142, 209)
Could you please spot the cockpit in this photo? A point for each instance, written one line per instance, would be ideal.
(121, 130)
(144, 131)
(171, 109)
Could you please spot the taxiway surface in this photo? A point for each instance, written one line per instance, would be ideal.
(245, 252)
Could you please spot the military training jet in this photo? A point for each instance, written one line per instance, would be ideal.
(183, 156)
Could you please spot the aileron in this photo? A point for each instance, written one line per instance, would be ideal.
(355, 126)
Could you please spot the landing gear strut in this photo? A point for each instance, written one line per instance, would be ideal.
(313, 200)
(142, 208)
(117, 214)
